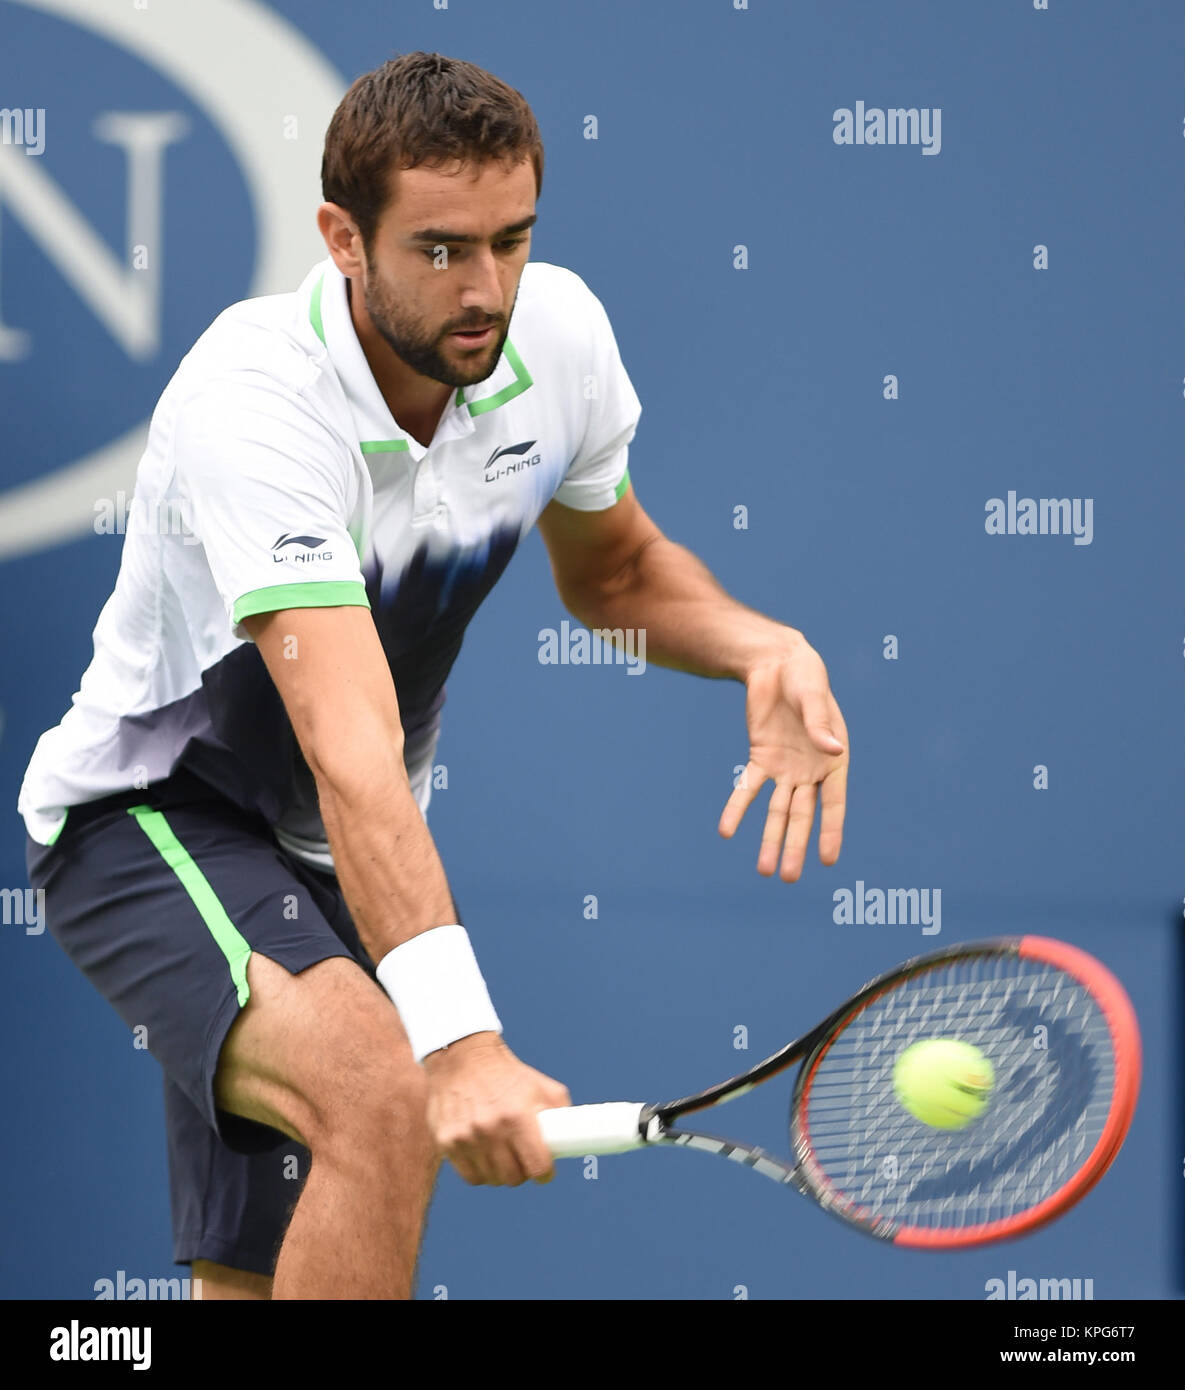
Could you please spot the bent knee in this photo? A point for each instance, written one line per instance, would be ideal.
(323, 1057)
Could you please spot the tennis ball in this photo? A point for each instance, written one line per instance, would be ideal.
(943, 1082)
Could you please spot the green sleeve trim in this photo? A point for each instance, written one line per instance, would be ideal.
(622, 487)
(329, 593)
(232, 945)
(315, 310)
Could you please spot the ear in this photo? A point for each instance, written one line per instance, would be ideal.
(342, 238)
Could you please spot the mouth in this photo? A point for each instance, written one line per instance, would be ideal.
(475, 337)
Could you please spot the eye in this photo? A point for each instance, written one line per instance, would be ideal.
(452, 252)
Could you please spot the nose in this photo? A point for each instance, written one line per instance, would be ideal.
(481, 298)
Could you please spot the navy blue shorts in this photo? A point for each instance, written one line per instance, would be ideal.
(159, 897)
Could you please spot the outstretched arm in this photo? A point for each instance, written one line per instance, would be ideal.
(615, 569)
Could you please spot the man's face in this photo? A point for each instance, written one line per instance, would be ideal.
(447, 255)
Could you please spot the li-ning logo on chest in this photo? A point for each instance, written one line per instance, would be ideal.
(311, 551)
(516, 460)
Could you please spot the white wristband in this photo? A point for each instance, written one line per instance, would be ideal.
(434, 982)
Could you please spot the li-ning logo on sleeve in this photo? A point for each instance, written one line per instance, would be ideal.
(310, 544)
(493, 473)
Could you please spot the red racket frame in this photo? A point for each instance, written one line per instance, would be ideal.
(1116, 1008)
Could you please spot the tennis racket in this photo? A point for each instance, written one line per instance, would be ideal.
(1060, 1033)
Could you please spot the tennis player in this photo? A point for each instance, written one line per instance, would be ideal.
(229, 822)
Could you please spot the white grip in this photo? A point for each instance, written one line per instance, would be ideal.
(576, 1130)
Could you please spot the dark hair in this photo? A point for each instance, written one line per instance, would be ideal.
(420, 108)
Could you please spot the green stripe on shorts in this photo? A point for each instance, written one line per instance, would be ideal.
(222, 929)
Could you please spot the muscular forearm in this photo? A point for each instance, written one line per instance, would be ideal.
(690, 623)
(387, 864)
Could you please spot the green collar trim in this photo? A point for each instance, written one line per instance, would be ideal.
(315, 310)
(522, 380)
(384, 446)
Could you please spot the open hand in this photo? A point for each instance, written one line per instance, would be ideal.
(797, 737)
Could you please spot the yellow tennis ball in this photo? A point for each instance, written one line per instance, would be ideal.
(943, 1082)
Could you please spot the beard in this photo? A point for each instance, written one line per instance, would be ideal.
(423, 348)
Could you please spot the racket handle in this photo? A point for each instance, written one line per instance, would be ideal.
(576, 1130)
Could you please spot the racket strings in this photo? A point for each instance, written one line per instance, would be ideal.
(1050, 1046)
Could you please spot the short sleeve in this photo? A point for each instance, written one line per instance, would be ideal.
(264, 486)
(599, 474)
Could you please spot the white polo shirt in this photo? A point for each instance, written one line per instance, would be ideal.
(276, 477)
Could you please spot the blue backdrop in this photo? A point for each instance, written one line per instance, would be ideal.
(1022, 287)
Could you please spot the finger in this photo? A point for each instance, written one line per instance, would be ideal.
(555, 1096)
(462, 1159)
(484, 1154)
(774, 834)
(831, 821)
(798, 832)
(534, 1155)
(817, 721)
(752, 780)
(503, 1157)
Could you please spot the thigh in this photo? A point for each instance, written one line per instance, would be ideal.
(162, 902)
(320, 1055)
